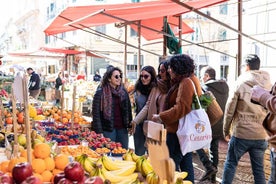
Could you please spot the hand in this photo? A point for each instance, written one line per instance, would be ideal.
(227, 138)
(133, 128)
(257, 92)
(156, 118)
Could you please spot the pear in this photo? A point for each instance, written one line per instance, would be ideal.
(22, 140)
(42, 139)
(36, 141)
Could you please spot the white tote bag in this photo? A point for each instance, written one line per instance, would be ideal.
(194, 130)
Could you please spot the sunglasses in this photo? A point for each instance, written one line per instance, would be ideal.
(144, 76)
(118, 76)
(162, 70)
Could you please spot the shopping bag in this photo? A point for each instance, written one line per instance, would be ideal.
(194, 131)
(214, 111)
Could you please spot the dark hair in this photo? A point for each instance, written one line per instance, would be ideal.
(253, 61)
(139, 86)
(182, 65)
(211, 72)
(108, 74)
(29, 69)
(166, 65)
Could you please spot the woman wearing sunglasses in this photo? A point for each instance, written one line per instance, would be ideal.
(178, 103)
(111, 108)
(156, 99)
(142, 89)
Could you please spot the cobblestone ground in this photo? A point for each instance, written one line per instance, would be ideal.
(243, 173)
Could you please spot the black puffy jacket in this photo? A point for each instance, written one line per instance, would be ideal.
(99, 124)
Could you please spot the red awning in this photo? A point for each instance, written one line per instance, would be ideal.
(60, 50)
(157, 24)
(80, 17)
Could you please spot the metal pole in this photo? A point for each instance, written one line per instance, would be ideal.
(239, 37)
(139, 49)
(125, 54)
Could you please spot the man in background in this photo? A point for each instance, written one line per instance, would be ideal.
(243, 122)
(34, 85)
(220, 90)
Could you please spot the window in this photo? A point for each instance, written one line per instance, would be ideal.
(133, 33)
(223, 9)
(224, 72)
(222, 34)
(101, 29)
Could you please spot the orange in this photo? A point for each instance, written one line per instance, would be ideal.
(65, 120)
(47, 176)
(56, 171)
(50, 163)
(42, 150)
(23, 153)
(61, 161)
(39, 176)
(4, 166)
(12, 163)
(38, 165)
(9, 120)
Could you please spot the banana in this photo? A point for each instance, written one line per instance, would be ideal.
(126, 171)
(89, 165)
(116, 179)
(108, 163)
(179, 181)
(135, 157)
(178, 174)
(112, 165)
(127, 156)
(146, 167)
(139, 163)
(97, 172)
(152, 178)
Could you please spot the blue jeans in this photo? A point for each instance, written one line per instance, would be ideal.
(182, 163)
(118, 135)
(139, 140)
(236, 149)
(213, 157)
(272, 179)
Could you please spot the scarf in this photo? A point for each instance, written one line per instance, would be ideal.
(175, 83)
(163, 86)
(107, 99)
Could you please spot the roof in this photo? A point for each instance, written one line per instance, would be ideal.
(81, 17)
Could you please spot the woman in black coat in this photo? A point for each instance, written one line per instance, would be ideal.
(111, 108)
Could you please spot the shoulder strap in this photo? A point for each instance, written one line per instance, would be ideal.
(196, 93)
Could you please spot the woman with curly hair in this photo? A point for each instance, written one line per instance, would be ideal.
(111, 108)
(178, 103)
(142, 89)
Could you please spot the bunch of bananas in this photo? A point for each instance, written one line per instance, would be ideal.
(143, 164)
(116, 171)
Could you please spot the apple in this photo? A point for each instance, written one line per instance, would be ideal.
(74, 171)
(58, 177)
(32, 180)
(6, 179)
(65, 181)
(22, 171)
(94, 180)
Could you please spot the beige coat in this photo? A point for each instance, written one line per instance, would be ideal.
(244, 117)
(154, 105)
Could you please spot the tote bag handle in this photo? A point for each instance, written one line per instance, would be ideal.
(195, 93)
